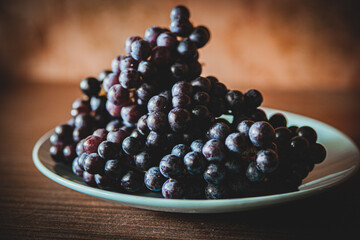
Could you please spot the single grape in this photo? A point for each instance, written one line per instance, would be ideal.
(76, 169)
(180, 12)
(118, 95)
(114, 169)
(299, 146)
(129, 41)
(103, 75)
(213, 191)
(253, 173)
(157, 121)
(81, 133)
(89, 179)
(152, 33)
(108, 150)
(130, 78)
(261, 134)
(179, 119)
(158, 104)
(56, 152)
(145, 160)
(128, 63)
(171, 166)
(215, 173)
(147, 69)
(194, 162)
(308, 133)
(131, 113)
(101, 133)
(155, 140)
(182, 88)
(140, 50)
(161, 56)
(90, 86)
(201, 98)
(172, 189)
(278, 120)
(154, 180)
(214, 150)
(201, 84)
(132, 146)
(267, 160)
(187, 49)
(197, 145)
(253, 99)
(282, 136)
(167, 39)
(146, 91)
(219, 131)
(94, 164)
(104, 182)
(180, 150)
(181, 101)
(98, 104)
(244, 126)
(317, 153)
(110, 80)
(235, 100)
(117, 136)
(179, 70)
(200, 36)
(69, 153)
(236, 143)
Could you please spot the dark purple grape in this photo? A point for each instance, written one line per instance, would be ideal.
(172, 189)
(80, 106)
(261, 134)
(299, 146)
(235, 100)
(201, 84)
(129, 41)
(200, 36)
(308, 133)
(140, 50)
(151, 34)
(132, 146)
(76, 169)
(179, 70)
(132, 181)
(219, 131)
(147, 69)
(213, 191)
(187, 49)
(145, 160)
(103, 75)
(244, 126)
(128, 63)
(201, 116)
(171, 166)
(167, 39)
(81, 160)
(282, 136)
(69, 153)
(180, 12)
(146, 91)
(89, 179)
(253, 99)
(201, 98)
(181, 27)
(90, 86)
(56, 152)
(194, 162)
(267, 160)
(118, 95)
(94, 164)
(195, 68)
(130, 78)
(278, 120)
(55, 140)
(197, 145)
(214, 150)
(153, 179)
(131, 113)
(158, 104)
(253, 173)
(236, 143)
(91, 144)
(117, 136)
(179, 119)
(161, 56)
(181, 101)
(158, 122)
(317, 153)
(108, 150)
(111, 80)
(114, 169)
(215, 173)
(155, 140)
(84, 120)
(182, 88)
(180, 150)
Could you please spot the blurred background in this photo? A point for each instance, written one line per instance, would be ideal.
(282, 45)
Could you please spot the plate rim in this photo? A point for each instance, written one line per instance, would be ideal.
(197, 205)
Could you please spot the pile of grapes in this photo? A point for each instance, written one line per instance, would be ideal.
(153, 123)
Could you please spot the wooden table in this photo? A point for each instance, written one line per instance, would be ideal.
(34, 207)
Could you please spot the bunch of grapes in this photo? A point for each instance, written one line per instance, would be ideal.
(154, 123)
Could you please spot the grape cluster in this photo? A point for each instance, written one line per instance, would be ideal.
(154, 123)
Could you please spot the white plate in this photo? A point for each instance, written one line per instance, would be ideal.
(342, 161)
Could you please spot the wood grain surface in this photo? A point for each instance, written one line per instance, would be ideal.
(34, 207)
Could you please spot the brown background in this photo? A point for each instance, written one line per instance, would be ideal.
(297, 45)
